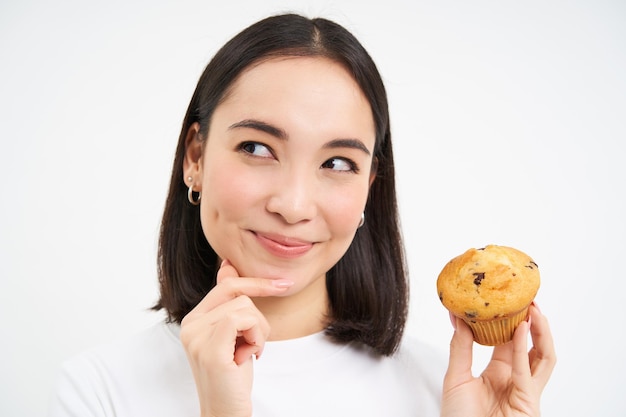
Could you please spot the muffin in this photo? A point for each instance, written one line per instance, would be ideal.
(491, 289)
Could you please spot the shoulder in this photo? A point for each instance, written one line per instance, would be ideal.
(153, 343)
(100, 380)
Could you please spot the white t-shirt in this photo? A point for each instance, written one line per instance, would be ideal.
(148, 376)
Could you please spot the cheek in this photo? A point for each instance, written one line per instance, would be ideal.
(227, 197)
(344, 209)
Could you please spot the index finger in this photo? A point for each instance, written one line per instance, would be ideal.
(544, 355)
(230, 286)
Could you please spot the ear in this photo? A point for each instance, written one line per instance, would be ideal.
(192, 164)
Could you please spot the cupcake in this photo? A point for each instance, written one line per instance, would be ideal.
(491, 289)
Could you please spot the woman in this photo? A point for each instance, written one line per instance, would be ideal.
(281, 262)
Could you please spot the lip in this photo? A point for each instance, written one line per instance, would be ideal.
(283, 246)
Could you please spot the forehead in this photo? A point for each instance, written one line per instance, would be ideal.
(295, 71)
(315, 88)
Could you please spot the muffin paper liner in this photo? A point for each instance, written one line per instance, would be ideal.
(497, 331)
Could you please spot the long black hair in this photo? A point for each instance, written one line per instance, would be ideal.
(367, 288)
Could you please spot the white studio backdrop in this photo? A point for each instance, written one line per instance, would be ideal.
(508, 121)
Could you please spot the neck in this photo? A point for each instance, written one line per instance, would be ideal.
(298, 315)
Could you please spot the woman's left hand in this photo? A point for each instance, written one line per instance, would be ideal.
(511, 384)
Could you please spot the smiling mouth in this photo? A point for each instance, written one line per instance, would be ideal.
(283, 246)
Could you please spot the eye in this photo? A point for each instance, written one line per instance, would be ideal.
(341, 164)
(256, 149)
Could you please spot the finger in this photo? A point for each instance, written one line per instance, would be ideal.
(544, 358)
(503, 354)
(239, 336)
(460, 364)
(200, 328)
(250, 343)
(205, 321)
(520, 371)
(231, 288)
(227, 270)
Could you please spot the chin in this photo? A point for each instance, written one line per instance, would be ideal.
(262, 270)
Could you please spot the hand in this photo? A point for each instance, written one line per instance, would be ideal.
(511, 384)
(220, 336)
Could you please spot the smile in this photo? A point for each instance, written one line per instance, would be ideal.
(283, 246)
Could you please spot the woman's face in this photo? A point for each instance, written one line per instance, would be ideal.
(285, 170)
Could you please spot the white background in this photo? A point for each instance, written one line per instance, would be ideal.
(509, 122)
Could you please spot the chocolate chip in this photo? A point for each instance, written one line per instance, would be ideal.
(486, 304)
(479, 277)
(441, 296)
(470, 314)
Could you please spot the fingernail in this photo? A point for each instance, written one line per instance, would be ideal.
(453, 320)
(536, 306)
(282, 283)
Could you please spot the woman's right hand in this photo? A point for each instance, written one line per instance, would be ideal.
(220, 336)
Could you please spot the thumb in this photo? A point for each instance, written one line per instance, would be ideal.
(460, 365)
(227, 270)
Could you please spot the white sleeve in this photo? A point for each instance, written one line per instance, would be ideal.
(78, 392)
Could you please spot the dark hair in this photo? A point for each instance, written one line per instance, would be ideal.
(367, 288)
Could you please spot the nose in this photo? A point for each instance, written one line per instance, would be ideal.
(293, 197)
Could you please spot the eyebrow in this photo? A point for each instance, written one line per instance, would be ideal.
(281, 134)
(347, 143)
(261, 126)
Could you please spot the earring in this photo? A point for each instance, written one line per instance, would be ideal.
(362, 220)
(190, 193)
